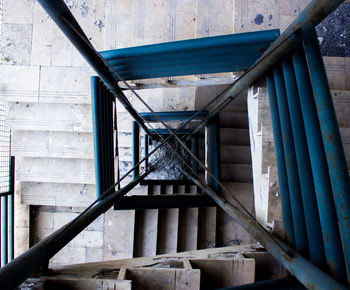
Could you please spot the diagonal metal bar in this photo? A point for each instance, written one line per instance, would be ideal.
(307, 273)
(312, 15)
(14, 273)
(64, 19)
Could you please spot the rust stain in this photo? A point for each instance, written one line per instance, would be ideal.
(329, 138)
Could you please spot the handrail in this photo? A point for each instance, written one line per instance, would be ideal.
(19, 269)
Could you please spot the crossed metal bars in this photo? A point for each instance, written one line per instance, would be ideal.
(308, 274)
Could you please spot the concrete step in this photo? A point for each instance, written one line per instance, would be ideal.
(43, 116)
(345, 134)
(234, 136)
(59, 145)
(39, 83)
(206, 237)
(187, 229)
(231, 136)
(168, 224)
(146, 233)
(230, 233)
(235, 154)
(52, 144)
(234, 120)
(57, 194)
(232, 154)
(56, 170)
(239, 104)
(341, 101)
(237, 172)
(242, 191)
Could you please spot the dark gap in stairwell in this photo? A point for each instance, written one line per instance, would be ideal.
(334, 32)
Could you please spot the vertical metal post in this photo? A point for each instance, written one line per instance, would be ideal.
(135, 147)
(116, 144)
(103, 138)
(325, 202)
(4, 229)
(214, 152)
(332, 142)
(312, 219)
(146, 149)
(109, 138)
(12, 210)
(96, 132)
(281, 164)
(1, 238)
(301, 244)
(11, 227)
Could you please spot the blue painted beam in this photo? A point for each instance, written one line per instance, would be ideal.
(225, 53)
(325, 202)
(249, 38)
(173, 116)
(281, 163)
(184, 58)
(312, 218)
(312, 15)
(166, 131)
(301, 243)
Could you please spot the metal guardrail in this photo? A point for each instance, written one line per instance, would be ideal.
(7, 164)
(310, 275)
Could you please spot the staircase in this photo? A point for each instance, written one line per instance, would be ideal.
(50, 117)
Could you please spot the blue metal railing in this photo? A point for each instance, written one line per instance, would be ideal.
(178, 116)
(224, 53)
(7, 164)
(102, 121)
(317, 175)
(334, 207)
(7, 212)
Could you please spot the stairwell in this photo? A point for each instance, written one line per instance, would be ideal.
(49, 112)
